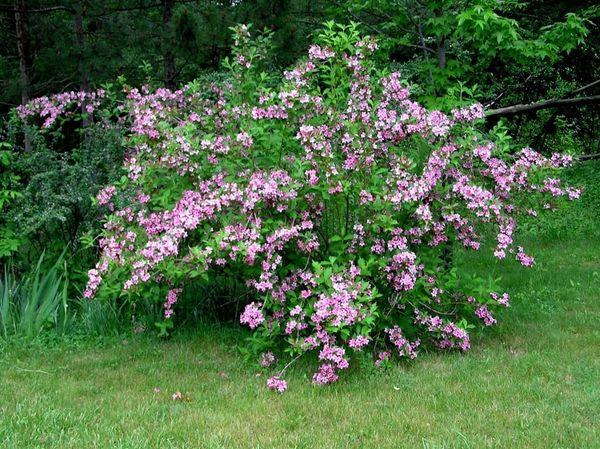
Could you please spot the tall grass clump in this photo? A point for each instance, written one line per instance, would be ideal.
(35, 302)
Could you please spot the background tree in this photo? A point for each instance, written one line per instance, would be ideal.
(500, 53)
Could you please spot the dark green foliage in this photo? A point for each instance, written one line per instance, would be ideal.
(55, 188)
(10, 240)
(122, 38)
(499, 53)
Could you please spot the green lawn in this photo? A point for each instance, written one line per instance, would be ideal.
(532, 382)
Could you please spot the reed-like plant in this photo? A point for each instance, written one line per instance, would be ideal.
(35, 302)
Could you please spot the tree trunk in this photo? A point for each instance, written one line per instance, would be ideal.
(441, 53)
(84, 82)
(425, 54)
(24, 57)
(168, 55)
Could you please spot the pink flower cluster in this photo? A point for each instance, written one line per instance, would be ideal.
(267, 359)
(276, 384)
(484, 313)
(170, 301)
(51, 108)
(359, 342)
(404, 346)
(105, 195)
(445, 333)
(252, 316)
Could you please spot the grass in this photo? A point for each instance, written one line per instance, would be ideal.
(533, 382)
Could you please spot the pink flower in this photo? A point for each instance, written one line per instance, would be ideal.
(267, 359)
(245, 139)
(382, 357)
(317, 52)
(404, 346)
(276, 384)
(483, 313)
(252, 315)
(170, 301)
(359, 342)
(525, 260)
(503, 300)
(335, 355)
(325, 375)
(105, 195)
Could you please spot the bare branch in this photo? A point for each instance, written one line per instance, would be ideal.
(552, 103)
(11, 8)
(589, 157)
(586, 87)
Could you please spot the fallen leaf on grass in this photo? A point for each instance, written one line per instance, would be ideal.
(178, 396)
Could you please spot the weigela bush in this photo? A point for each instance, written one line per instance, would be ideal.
(331, 193)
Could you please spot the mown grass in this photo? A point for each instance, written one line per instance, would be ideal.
(531, 382)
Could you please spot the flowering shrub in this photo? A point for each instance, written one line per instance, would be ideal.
(334, 195)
